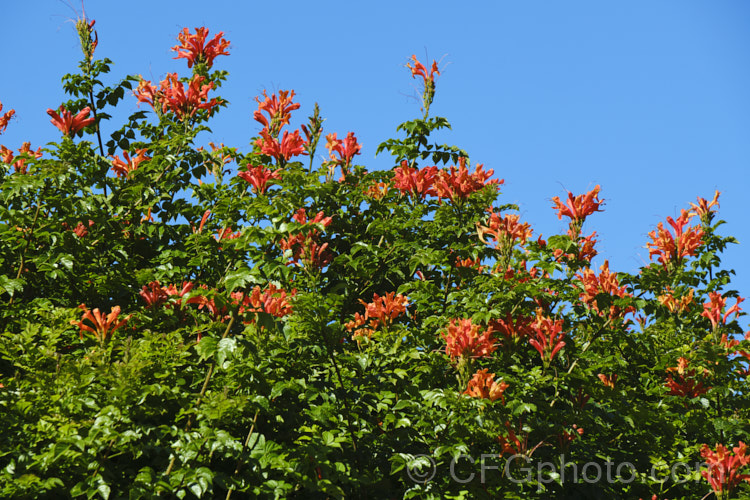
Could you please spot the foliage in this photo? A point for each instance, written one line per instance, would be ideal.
(170, 327)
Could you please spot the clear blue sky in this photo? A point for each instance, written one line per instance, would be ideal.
(650, 99)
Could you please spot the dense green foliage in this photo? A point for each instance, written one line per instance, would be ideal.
(264, 351)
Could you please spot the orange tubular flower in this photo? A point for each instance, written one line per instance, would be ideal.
(723, 472)
(672, 248)
(674, 305)
(5, 118)
(102, 328)
(606, 282)
(505, 231)
(483, 385)
(195, 49)
(608, 380)
(703, 208)
(272, 300)
(304, 246)
(417, 182)
(19, 162)
(712, 309)
(549, 337)
(459, 183)
(513, 329)
(386, 308)
(419, 69)
(69, 124)
(346, 149)
(125, 168)
(686, 384)
(291, 145)
(463, 339)
(278, 107)
(259, 177)
(577, 208)
(171, 95)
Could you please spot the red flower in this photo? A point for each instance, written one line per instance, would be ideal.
(549, 337)
(386, 308)
(606, 283)
(463, 339)
(259, 177)
(723, 472)
(703, 208)
(513, 329)
(670, 247)
(81, 230)
(712, 309)
(124, 168)
(19, 162)
(291, 145)
(171, 95)
(483, 385)
(345, 149)
(417, 182)
(304, 245)
(102, 328)
(419, 69)
(69, 124)
(272, 300)
(578, 207)
(5, 118)
(154, 294)
(278, 108)
(195, 49)
(686, 384)
(459, 183)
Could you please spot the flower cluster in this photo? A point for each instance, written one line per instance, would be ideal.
(458, 183)
(703, 209)
(428, 78)
(101, 327)
(259, 177)
(605, 283)
(723, 473)
(345, 150)
(272, 300)
(505, 230)
(5, 118)
(577, 208)
(466, 340)
(278, 108)
(714, 307)
(674, 247)
(68, 123)
(171, 95)
(123, 168)
(19, 162)
(685, 384)
(513, 329)
(304, 246)
(673, 304)
(416, 182)
(548, 337)
(483, 385)
(194, 48)
(381, 311)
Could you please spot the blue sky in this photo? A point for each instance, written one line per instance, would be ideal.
(648, 99)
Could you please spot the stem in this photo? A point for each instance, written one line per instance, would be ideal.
(244, 447)
(98, 135)
(25, 248)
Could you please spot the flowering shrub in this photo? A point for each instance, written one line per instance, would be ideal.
(277, 329)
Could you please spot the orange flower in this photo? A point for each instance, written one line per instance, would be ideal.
(458, 183)
(703, 208)
(69, 124)
(505, 231)
(195, 49)
(5, 118)
(415, 181)
(19, 162)
(125, 168)
(171, 95)
(549, 337)
(386, 308)
(278, 107)
(607, 283)
(291, 145)
(686, 384)
(346, 149)
(463, 339)
(304, 245)
(377, 191)
(674, 305)
(419, 69)
(272, 300)
(513, 329)
(712, 309)
(723, 472)
(671, 247)
(483, 385)
(608, 380)
(102, 328)
(577, 208)
(259, 177)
